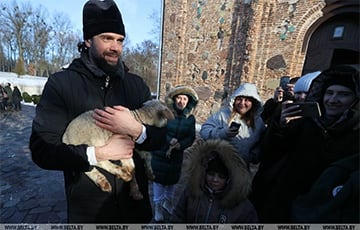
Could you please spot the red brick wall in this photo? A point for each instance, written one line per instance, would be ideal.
(215, 45)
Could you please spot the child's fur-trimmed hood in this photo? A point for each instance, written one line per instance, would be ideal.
(239, 184)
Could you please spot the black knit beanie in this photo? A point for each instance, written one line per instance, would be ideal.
(101, 16)
(341, 80)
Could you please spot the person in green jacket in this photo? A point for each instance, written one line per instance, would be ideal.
(9, 93)
(167, 162)
(16, 98)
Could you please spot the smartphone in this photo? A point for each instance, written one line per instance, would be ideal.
(235, 124)
(284, 80)
(308, 109)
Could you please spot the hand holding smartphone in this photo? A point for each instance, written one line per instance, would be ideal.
(284, 80)
(233, 129)
(234, 125)
(308, 109)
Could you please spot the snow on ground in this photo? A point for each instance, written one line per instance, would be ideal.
(26, 83)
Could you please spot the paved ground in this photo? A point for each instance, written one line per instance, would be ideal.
(28, 194)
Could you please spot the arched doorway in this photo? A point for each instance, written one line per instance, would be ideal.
(334, 39)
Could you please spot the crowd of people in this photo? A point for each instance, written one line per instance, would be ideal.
(297, 149)
(10, 98)
(307, 165)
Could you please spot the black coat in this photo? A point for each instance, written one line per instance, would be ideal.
(16, 95)
(295, 159)
(332, 201)
(295, 156)
(67, 94)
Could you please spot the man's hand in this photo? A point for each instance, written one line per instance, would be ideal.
(278, 94)
(289, 112)
(118, 147)
(118, 120)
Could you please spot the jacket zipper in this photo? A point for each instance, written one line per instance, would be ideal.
(211, 199)
(107, 80)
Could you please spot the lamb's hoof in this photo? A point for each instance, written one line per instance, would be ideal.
(137, 195)
(125, 177)
(123, 173)
(105, 186)
(151, 176)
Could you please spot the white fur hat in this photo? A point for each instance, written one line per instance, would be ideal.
(304, 82)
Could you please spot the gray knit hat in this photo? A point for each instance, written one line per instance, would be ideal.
(304, 82)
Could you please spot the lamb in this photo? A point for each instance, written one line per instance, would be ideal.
(82, 130)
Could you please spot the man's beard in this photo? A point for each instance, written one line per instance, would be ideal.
(103, 64)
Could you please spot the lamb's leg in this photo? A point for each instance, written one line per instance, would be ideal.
(146, 156)
(135, 192)
(99, 179)
(123, 172)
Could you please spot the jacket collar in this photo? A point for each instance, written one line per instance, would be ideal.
(96, 71)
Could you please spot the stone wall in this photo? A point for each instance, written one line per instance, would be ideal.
(214, 45)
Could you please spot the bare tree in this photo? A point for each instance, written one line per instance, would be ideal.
(45, 44)
(72, 52)
(38, 41)
(28, 36)
(65, 40)
(156, 30)
(15, 23)
(2, 54)
(142, 60)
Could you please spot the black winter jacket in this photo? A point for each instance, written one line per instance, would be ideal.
(67, 94)
(295, 156)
